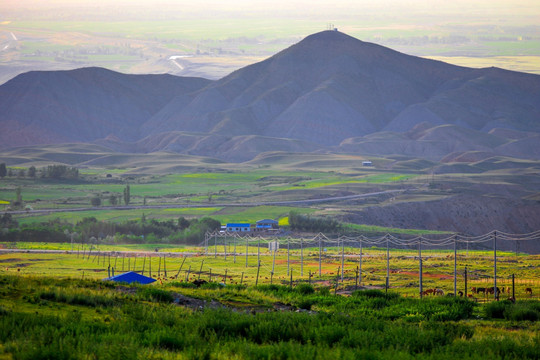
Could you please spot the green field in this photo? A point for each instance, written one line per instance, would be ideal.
(299, 262)
(197, 194)
(54, 306)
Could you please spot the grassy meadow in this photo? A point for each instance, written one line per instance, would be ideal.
(60, 315)
(230, 265)
(192, 193)
(291, 304)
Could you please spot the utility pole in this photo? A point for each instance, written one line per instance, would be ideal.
(455, 265)
(387, 263)
(360, 265)
(496, 295)
(420, 267)
(342, 257)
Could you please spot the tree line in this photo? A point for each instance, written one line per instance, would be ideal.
(56, 172)
(300, 222)
(91, 230)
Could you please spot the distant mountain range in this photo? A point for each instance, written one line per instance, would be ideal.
(329, 92)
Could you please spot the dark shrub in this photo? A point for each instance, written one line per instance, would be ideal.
(496, 309)
(304, 289)
(324, 291)
(153, 294)
(375, 294)
(306, 304)
(526, 310)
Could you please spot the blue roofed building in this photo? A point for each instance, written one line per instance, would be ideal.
(131, 277)
(266, 224)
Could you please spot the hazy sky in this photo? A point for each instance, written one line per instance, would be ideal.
(494, 10)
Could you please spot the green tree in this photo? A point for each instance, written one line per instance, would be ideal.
(127, 195)
(18, 197)
(183, 223)
(7, 221)
(96, 201)
(113, 200)
(61, 172)
(32, 171)
(3, 170)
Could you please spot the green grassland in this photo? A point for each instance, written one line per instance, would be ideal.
(194, 193)
(199, 189)
(230, 265)
(56, 315)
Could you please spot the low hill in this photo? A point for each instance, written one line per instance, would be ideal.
(47, 107)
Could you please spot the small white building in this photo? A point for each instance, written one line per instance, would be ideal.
(238, 227)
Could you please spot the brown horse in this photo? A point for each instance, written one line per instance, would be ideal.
(491, 290)
(479, 290)
(528, 291)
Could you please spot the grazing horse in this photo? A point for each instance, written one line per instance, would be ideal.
(460, 293)
(491, 290)
(199, 282)
(428, 291)
(438, 292)
(480, 290)
(528, 291)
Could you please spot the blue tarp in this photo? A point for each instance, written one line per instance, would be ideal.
(131, 277)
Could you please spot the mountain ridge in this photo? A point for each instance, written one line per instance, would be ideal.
(329, 92)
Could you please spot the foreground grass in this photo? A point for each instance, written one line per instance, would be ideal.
(44, 318)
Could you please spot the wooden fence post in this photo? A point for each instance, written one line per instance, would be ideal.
(258, 268)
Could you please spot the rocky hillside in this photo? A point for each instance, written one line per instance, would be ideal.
(466, 214)
(47, 107)
(329, 92)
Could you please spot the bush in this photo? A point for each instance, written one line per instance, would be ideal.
(496, 309)
(306, 304)
(324, 291)
(304, 289)
(453, 309)
(520, 314)
(375, 294)
(154, 294)
(523, 310)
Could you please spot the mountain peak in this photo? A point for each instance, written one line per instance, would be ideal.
(329, 42)
(330, 35)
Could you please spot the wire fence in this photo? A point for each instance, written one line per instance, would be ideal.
(418, 266)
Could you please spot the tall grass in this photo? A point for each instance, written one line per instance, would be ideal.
(139, 322)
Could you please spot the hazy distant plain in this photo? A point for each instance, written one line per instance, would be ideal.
(215, 38)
